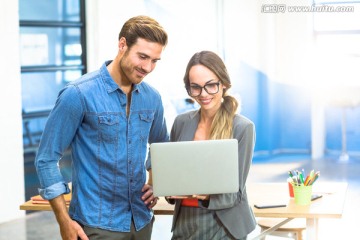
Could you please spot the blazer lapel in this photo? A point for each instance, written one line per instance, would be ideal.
(188, 133)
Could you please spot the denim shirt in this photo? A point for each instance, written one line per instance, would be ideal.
(108, 150)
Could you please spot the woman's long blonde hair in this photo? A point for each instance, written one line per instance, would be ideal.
(222, 125)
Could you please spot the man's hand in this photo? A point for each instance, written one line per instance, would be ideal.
(71, 230)
(148, 197)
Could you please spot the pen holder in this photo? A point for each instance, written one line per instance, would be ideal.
(302, 195)
(291, 189)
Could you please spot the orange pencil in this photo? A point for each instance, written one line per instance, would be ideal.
(307, 180)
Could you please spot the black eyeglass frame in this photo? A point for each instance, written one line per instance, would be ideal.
(204, 87)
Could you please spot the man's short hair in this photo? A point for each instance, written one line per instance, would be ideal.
(143, 27)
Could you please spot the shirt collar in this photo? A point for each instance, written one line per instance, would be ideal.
(109, 83)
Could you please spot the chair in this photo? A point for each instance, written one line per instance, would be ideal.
(292, 229)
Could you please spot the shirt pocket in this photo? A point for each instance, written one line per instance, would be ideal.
(108, 127)
(146, 120)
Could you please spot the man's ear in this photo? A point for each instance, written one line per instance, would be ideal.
(122, 43)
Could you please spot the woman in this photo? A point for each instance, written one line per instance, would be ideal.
(217, 216)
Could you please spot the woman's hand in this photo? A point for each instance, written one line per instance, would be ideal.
(179, 197)
(200, 197)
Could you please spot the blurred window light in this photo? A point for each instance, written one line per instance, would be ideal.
(347, 44)
(73, 49)
(345, 16)
(337, 36)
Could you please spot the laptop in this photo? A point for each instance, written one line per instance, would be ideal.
(195, 167)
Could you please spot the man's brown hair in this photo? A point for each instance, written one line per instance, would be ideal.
(143, 27)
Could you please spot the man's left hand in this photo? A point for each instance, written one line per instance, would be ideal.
(148, 197)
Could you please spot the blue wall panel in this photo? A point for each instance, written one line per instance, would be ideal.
(333, 121)
(281, 113)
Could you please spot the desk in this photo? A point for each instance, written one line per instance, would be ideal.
(161, 208)
(329, 206)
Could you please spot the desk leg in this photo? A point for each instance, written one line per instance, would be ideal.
(312, 228)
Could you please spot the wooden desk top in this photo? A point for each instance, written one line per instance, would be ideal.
(329, 206)
(161, 208)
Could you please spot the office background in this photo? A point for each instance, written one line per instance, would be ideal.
(295, 73)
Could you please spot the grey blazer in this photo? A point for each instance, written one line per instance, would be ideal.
(232, 209)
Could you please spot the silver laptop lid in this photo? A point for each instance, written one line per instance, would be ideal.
(195, 167)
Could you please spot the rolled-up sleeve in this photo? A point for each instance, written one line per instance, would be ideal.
(58, 134)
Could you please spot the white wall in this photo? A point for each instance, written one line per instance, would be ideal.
(276, 43)
(188, 33)
(11, 161)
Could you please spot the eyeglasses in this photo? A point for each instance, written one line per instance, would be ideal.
(195, 90)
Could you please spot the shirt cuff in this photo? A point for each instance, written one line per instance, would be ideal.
(54, 190)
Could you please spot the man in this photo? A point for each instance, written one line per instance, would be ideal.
(107, 117)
